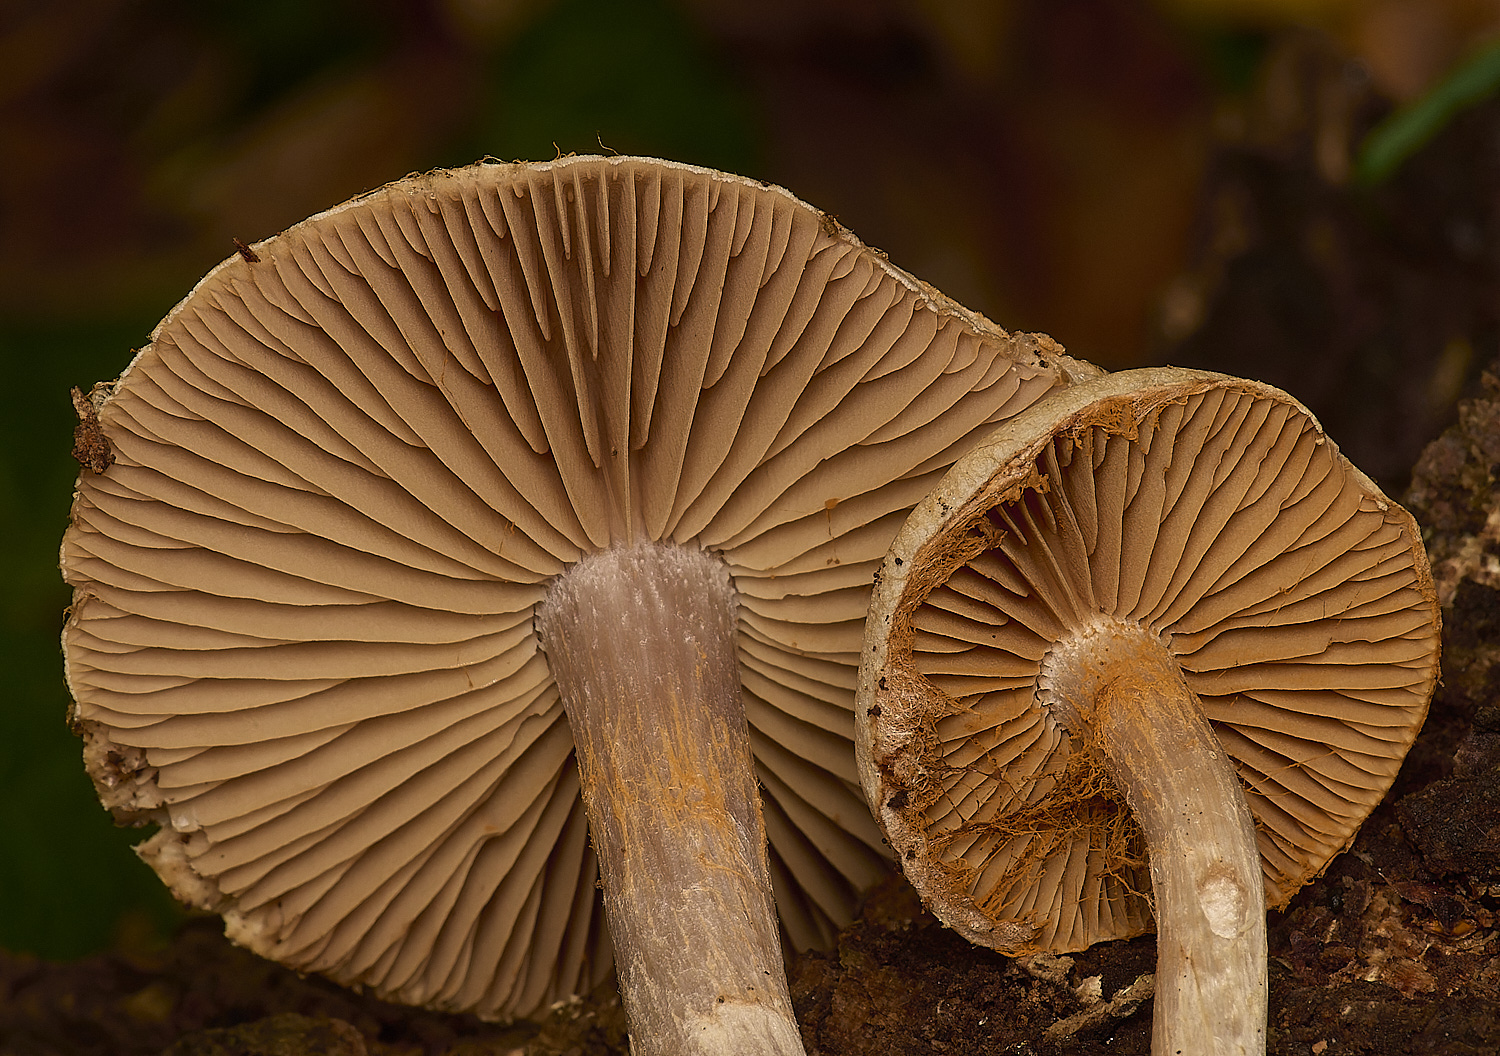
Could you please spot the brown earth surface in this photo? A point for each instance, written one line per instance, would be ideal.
(1393, 951)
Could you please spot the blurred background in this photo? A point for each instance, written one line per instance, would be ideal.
(1303, 191)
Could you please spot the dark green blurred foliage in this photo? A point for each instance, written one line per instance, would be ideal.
(68, 881)
(599, 76)
(1410, 127)
(284, 43)
(1230, 55)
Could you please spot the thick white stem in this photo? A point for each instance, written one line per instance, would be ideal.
(642, 643)
(1161, 752)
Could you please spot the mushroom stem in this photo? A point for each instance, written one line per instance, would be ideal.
(642, 644)
(1118, 687)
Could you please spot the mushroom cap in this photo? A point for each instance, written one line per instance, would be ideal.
(346, 468)
(1215, 515)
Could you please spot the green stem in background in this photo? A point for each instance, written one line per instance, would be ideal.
(1410, 127)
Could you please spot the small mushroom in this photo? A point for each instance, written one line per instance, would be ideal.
(500, 512)
(1153, 650)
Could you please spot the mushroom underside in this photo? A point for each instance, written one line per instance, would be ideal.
(344, 474)
(1151, 585)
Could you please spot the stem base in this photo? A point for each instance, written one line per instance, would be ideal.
(642, 643)
(1117, 687)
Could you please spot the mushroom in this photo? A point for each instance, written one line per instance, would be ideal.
(1152, 650)
(398, 490)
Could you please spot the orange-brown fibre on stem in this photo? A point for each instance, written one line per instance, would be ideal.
(641, 641)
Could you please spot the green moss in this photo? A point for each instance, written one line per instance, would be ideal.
(596, 76)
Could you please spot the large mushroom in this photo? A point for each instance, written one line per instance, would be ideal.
(393, 492)
(1153, 650)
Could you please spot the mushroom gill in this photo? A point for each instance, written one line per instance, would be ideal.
(347, 472)
(1149, 586)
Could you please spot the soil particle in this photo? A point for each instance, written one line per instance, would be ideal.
(901, 983)
(287, 1034)
(91, 448)
(1456, 823)
(180, 999)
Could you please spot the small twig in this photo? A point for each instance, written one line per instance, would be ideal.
(1124, 1003)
